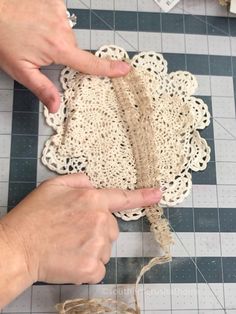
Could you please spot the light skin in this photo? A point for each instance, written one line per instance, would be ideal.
(63, 231)
(37, 33)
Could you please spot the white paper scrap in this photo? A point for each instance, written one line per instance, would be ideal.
(233, 6)
(166, 5)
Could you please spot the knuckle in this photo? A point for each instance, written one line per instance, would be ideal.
(60, 9)
(144, 195)
(115, 230)
(95, 63)
(46, 182)
(61, 43)
(101, 242)
(102, 218)
(99, 275)
(90, 268)
(91, 196)
(126, 198)
(112, 66)
(43, 184)
(115, 235)
(107, 259)
(77, 277)
(61, 48)
(66, 28)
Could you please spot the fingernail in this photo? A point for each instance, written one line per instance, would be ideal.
(156, 194)
(163, 189)
(53, 105)
(123, 67)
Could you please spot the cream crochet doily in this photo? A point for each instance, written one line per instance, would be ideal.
(132, 132)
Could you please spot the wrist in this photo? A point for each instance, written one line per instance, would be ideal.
(14, 273)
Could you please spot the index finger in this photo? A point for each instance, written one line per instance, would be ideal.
(119, 200)
(86, 62)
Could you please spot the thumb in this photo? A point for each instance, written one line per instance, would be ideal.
(86, 62)
(42, 87)
(75, 180)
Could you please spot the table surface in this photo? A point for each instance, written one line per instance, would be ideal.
(198, 36)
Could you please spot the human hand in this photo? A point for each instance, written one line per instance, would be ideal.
(37, 33)
(65, 228)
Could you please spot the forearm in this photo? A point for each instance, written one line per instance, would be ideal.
(14, 276)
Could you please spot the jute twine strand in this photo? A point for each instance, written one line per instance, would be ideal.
(138, 118)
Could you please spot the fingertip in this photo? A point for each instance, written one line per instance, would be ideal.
(42, 87)
(157, 195)
(151, 196)
(86, 62)
(119, 68)
(52, 104)
(119, 200)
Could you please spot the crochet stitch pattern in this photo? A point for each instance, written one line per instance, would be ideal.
(136, 131)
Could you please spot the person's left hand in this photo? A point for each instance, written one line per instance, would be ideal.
(37, 33)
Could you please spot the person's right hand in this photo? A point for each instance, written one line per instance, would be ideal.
(36, 33)
(65, 228)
